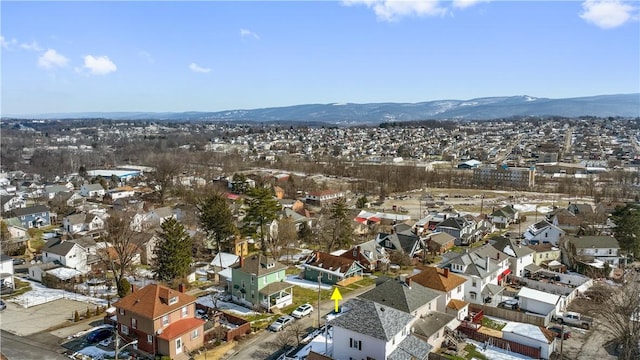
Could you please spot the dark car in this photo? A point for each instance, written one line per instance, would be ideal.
(559, 332)
(3, 305)
(18, 261)
(99, 335)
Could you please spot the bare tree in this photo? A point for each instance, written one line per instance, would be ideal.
(618, 312)
(123, 246)
(166, 167)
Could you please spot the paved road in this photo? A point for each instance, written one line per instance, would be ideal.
(265, 344)
(36, 347)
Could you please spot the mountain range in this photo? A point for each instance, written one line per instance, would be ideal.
(620, 105)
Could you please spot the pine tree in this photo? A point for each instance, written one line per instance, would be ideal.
(262, 210)
(216, 219)
(627, 230)
(173, 252)
(342, 225)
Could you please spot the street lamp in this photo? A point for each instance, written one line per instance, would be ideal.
(118, 348)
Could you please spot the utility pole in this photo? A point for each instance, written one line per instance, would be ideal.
(319, 278)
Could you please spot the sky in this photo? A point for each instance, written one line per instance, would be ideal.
(161, 56)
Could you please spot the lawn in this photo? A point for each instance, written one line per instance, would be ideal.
(496, 325)
(472, 353)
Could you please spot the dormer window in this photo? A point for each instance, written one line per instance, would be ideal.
(173, 300)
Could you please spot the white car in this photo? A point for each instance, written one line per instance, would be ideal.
(302, 310)
(281, 323)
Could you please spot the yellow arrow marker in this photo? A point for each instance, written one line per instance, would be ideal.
(337, 297)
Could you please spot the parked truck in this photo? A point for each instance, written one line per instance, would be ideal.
(574, 319)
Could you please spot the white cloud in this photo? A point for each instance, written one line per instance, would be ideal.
(463, 4)
(145, 55)
(607, 14)
(99, 65)
(33, 46)
(248, 33)
(196, 68)
(392, 10)
(7, 43)
(51, 59)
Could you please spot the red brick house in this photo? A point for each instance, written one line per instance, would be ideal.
(162, 320)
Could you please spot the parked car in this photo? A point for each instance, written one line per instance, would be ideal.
(3, 305)
(99, 335)
(509, 304)
(574, 319)
(302, 310)
(18, 261)
(559, 331)
(281, 323)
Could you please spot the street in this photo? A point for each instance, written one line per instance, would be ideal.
(265, 344)
(35, 347)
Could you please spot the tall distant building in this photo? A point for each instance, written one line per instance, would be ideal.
(502, 175)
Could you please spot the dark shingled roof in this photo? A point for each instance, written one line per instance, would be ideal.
(259, 265)
(372, 319)
(58, 246)
(398, 295)
(411, 348)
(30, 210)
(429, 324)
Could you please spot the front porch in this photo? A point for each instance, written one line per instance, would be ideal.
(278, 295)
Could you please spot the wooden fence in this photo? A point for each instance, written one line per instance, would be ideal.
(472, 333)
(512, 315)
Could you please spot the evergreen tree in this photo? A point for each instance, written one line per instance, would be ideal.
(361, 202)
(217, 220)
(342, 225)
(262, 210)
(627, 230)
(173, 252)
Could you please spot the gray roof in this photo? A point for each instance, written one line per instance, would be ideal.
(370, 318)
(4, 257)
(93, 187)
(58, 246)
(475, 264)
(511, 246)
(454, 223)
(76, 218)
(30, 210)
(429, 324)
(259, 265)
(396, 294)
(492, 290)
(601, 242)
(411, 348)
(403, 241)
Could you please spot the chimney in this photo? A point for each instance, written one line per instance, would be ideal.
(446, 272)
(182, 288)
(133, 288)
(409, 282)
(241, 261)
(497, 256)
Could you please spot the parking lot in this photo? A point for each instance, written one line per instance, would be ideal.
(27, 321)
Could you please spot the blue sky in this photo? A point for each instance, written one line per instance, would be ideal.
(211, 56)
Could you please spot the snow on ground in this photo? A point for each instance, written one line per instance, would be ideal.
(495, 353)
(319, 344)
(95, 353)
(532, 208)
(295, 280)
(41, 294)
(224, 305)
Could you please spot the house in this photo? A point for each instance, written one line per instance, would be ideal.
(405, 242)
(162, 320)
(440, 242)
(65, 252)
(540, 302)
(152, 219)
(531, 335)
(565, 220)
(543, 232)
(370, 255)
(92, 190)
(69, 198)
(324, 197)
(18, 234)
(331, 269)
(545, 253)
(405, 295)
(38, 271)
(221, 266)
(461, 228)
(504, 217)
(241, 246)
(448, 285)
(482, 273)
(584, 210)
(146, 243)
(32, 216)
(50, 191)
(6, 273)
(82, 222)
(369, 330)
(258, 280)
(10, 202)
(588, 248)
(520, 256)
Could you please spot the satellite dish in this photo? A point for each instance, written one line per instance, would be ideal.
(159, 331)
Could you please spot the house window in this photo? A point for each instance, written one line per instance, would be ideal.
(173, 300)
(121, 311)
(328, 276)
(473, 295)
(252, 280)
(149, 339)
(165, 320)
(195, 333)
(124, 329)
(610, 251)
(459, 289)
(184, 311)
(134, 323)
(243, 283)
(473, 283)
(355, 344)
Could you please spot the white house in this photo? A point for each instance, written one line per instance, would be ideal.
(603, 248)
(543, 232)
(82, 222)
(151, 219)
(6, 271)
(10, 202)
(369, 330)
(66, 252)
(540, 302)
(449, 286)
(36, 271)
(92, 190)
(519, 255)
(531, 335)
